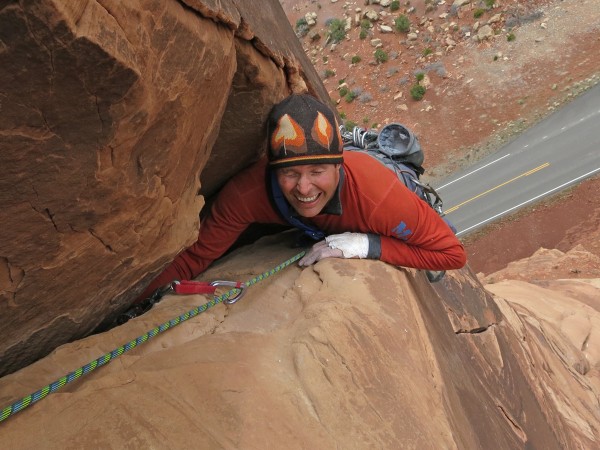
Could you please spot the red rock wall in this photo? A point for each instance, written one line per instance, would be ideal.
(109, 112)
(349, 354)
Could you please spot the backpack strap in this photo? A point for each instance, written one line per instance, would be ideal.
(286, 212)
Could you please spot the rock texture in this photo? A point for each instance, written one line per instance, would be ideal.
(344, 354)
(549, 264)
(109, 113)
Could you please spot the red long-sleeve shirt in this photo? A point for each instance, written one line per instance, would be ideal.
(373, 201)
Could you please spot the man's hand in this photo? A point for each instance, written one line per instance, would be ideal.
(318, 252)
(345, 245)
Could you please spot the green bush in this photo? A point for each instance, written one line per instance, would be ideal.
(365, 120)
(301, 22)
(417, 91)
(510, 37)
(336, 31)
(302, 27)
(343, 91)
(349, 124)
(350, 96)
(478, 13)
(356, 59)
(342, 115)
(363, 34)
(395, 5)
(365, 24)
(420, 76)
(381, 56)
(427, 51)
(402, 23)
(490, 3)
(329, 73)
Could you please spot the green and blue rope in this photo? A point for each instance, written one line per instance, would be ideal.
(20, 405)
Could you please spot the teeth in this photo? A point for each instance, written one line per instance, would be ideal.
(307, 199)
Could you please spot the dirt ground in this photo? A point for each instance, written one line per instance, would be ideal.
(479, 96)
(568, 219)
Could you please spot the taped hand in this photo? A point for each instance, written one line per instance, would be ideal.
(345, 245)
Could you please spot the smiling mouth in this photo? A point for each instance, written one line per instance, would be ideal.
(307, 199)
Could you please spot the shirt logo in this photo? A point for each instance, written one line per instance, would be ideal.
(401, 232)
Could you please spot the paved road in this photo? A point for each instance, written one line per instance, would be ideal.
(560, 151)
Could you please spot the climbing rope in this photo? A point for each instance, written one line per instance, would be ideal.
(105, 359)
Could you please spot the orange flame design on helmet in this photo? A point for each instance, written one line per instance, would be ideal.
(288, 135)
(322, 131)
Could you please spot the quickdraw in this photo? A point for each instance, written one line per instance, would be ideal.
(229, 297)
(182, 287)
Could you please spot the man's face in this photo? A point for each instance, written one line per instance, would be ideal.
(308, 188)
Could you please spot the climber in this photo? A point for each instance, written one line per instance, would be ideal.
(354, 206)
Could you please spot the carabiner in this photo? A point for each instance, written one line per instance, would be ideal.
(241, 287)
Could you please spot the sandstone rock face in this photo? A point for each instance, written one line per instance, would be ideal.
(550, 264)
(343, 354)
(109, 112)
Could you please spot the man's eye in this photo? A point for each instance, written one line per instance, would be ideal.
(316, 172)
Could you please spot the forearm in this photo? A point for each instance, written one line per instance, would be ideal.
(448, 254)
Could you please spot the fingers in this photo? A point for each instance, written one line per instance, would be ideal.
(312, 255)
(318, 252)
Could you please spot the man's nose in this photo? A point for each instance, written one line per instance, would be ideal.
(303, 185)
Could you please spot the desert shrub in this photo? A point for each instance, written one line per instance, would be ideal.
(356, 59)
(392, 71)
(427, 51)
(365, 24)
(349, 124)
(363, 34)
(365, 97)
(350, 96)
(437, 67)
(490, 3)
(402, 24)
(381, 56)
(314, 36)
(417, 92)
(395, 5)
(515, 21)
(302, 27)
(342, 115)
(365, 120)
(336, 31)
(510, 37)
(328, 73)
(478, 13)
(344, 91)
(420, 76)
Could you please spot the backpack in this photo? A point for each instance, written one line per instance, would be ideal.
(396, 147)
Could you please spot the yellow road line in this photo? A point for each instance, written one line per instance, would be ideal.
(454, 208)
